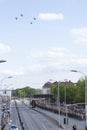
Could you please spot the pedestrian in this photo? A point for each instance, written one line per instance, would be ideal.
(74, 127)
(3, 127)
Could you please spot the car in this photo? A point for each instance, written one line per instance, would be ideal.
(13, 127)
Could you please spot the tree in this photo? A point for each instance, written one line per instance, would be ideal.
(24, 92)
(80, 92)
(20, 93)
(54, 91)
(74, 93)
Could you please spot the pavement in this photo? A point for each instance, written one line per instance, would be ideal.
(6, 127)
(71, 121)
(4, 117)
(0, 115)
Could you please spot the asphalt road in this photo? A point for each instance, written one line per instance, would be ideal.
(71, 121)
(14, 116)
(34, 120)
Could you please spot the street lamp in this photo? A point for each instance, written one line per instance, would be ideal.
(58, 98)
(4, 79)
(1, 61)
(59, 101)
(66, 116)
(85, 95)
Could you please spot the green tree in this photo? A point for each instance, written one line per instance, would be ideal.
(80, 92)
(20, 93)
(54, 91)
(74, 93)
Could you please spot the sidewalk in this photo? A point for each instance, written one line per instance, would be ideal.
(80, 124)
(0, 115)
(6, 127)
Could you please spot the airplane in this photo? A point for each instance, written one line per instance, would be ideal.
(31, 23)
(16, 18)
(34, 18)
(21, 15)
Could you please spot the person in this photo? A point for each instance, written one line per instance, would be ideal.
(74, 127)
(2, 128)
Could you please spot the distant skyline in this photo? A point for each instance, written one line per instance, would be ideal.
(42, 40)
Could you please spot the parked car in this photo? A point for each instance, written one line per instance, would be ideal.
(13, 127)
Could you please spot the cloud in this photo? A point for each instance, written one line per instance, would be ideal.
(48, 64)
(82, 61)
(80, 35)
(64, 56)
(50, 60)
(58, 52)
(56, 58)
(51, 16)
(13, 72)
(4, 48)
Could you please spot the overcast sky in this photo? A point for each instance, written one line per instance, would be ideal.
(42, 40)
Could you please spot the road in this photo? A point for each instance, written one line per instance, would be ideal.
(39, 119)
(34, 120)
(71, 121)
(14, 116)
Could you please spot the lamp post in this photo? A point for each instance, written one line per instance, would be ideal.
(59, 101)
(1, 61)
(4, 79)
(85, 95)
(58, 98)
(66, 116)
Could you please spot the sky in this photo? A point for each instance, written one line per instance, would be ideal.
(47, 41)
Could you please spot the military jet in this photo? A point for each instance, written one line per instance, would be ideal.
(31, 23)
(34, 18)
(16, 18)
(21, 15)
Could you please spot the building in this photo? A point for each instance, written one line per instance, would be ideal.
(47, 86)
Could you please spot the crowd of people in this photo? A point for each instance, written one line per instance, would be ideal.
(5, 108)
(78, 110)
